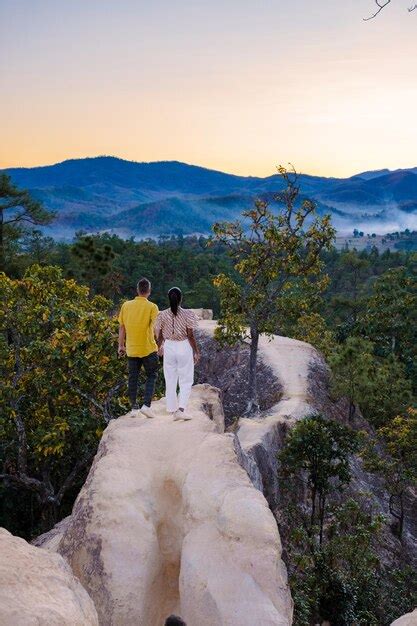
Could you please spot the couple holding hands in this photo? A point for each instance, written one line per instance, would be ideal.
(145, 334)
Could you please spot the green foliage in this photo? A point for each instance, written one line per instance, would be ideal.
(399, 465)
(312, 328)
(379, 386)
(276, 256)
(352, 365)
(400, 436)
(37, 247)
(17, 209)
(317, 451)
(350, 300)
(94, 262)
(390, 391)
(61, 381)
(277, 259)
(390, 318)
(338, 581)
(391, 309)
(332, 551)
(398, 593)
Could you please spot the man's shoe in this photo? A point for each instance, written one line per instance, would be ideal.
(134, 411)
(146, 410)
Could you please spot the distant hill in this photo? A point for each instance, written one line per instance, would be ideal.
(168, 197)
(376, 173)
(394, 187)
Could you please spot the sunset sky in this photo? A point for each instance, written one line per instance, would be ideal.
(233, 85)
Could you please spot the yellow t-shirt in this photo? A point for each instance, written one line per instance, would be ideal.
(138, 317)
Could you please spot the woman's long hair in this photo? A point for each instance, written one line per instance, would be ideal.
(175, 297)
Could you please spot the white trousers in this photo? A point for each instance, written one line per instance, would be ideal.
(178, 371)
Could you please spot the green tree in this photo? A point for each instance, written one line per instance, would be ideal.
(94, 261)
(276, 257)
(60, 383)
(37, 247)
(390, 319)
(17, 209)
(399, 465)
(398, 594)
(318, 451)
(347, 568)
(389, 391)
(353, 270)
(352, 365)
(331, 545)
(312, 328)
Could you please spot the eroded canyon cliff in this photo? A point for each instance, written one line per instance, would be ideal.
(179, 516)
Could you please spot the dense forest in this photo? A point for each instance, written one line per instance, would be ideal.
(61, 382)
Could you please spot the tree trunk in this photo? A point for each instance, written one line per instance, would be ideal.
(351, 410)
(253, 405)
(399, 515)
(313, 509)
(49, 515)
(322, 505)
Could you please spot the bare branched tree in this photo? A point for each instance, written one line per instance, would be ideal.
(381, 4)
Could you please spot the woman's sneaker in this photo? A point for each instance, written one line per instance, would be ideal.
(181, 415)
(146, 410)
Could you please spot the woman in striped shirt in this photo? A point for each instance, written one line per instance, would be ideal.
(174, 331)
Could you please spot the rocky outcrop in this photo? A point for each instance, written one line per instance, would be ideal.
(410, 619)
(203, 314)
(227, 368)
(287, 363)
(302, 376)
(51, 539)
(169, 522)
(38, 588)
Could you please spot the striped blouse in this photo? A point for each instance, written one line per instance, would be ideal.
(175, 327)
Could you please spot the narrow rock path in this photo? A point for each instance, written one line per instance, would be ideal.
(169, 522)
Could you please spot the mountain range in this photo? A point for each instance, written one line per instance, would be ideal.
(169, 197)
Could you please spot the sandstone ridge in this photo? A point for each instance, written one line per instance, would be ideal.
(37, 588)
(169, 522)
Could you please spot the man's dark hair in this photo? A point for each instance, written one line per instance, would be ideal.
(144, 286)
(174, 620)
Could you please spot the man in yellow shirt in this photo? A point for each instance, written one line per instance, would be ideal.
(136, 339)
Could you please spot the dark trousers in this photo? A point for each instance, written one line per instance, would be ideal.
(151, 365)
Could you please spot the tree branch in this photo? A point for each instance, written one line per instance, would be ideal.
(381, 6)
(103, 408)
(72, 476)
(19, 423)
(33, 484)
